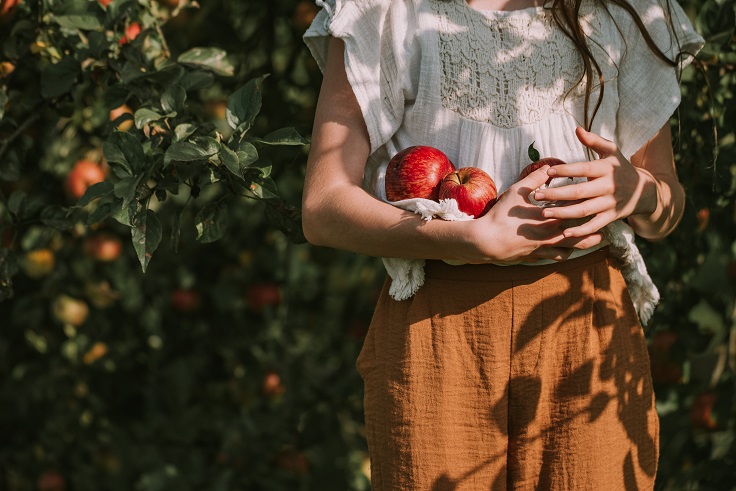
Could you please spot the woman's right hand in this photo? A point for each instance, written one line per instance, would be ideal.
(515, 230)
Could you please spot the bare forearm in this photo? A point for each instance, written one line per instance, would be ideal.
(346, 217)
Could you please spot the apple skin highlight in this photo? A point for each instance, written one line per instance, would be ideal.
(472, 188)
(416, 172)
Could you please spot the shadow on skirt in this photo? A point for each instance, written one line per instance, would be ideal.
(510, 378)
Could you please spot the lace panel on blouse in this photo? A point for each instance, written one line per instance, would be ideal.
(505, 68)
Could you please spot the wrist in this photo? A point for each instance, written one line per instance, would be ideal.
(478, 244)
(648, 206)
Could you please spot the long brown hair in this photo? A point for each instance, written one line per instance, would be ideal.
(566, 14)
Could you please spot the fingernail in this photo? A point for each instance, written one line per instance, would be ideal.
(539, 196)
(567, 233)
(547, 213)
(551, 171)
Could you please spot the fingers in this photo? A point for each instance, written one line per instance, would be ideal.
(583, 190)
(583, 209)
(554, 253)
(533, 180)
(585, 242)
(591, 170)
(598, 144)
(591, 227)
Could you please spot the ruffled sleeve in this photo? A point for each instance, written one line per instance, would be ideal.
(381, 56)
(648, 88)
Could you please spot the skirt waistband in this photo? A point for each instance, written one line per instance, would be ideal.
(493, 272)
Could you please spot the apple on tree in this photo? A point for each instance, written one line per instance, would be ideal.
(104, 247)
(69, 310)
(131, 32)
(7, 10)
(472, 188)
(416, 172)
(118, 112)
(186, 299)
(84, 174)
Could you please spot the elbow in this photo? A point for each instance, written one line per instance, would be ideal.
(312, 224)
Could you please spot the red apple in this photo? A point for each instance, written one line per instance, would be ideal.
(703, 217)
(69, 310)
(7, 10)
(83, 175)
(272, 385)
(103, 247)
(186, 299)
(473, 189)
(51, 481)
(38, 263)
(131, 32)
(119, 111)
(665, 370)
(6, 68)
(538, 163)
(701, 412)
(304, 14)
(293, 461)
(416, 172)
(261, 295)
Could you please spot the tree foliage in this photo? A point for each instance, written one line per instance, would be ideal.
(163, 325)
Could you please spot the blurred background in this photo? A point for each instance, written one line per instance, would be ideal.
(163, 325)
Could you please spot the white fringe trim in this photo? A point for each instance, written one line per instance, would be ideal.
(407, 275)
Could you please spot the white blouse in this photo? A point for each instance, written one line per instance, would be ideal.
(482, 85)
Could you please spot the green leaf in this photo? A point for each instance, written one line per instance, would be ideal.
(283, 136)
(143, 116)
(17, 202)
(247, 154)
(58, 79)
(132, 71)
(190, 151)
(10, 167)
(96, 190)
(126, 188)
(707, 318)
(230, 160)
(264, 170)
(146, 233)
(82, 22)
(57, 217)
(211, 222)
(196, 80)
(3, 101)
(533, 153)
(176, 231)
(174, 98)
(116, 96)
(264, 187)
(101, 212)
(214, 59)
(124, 149)
(287, 219)
(8, 268)
(244, 105)
(184, 131)
(124, 214)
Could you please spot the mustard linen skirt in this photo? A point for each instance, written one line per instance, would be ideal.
(510, 378)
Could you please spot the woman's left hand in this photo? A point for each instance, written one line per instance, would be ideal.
(615, 188)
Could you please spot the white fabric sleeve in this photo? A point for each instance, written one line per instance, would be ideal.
(381, 56)
(648, 88)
